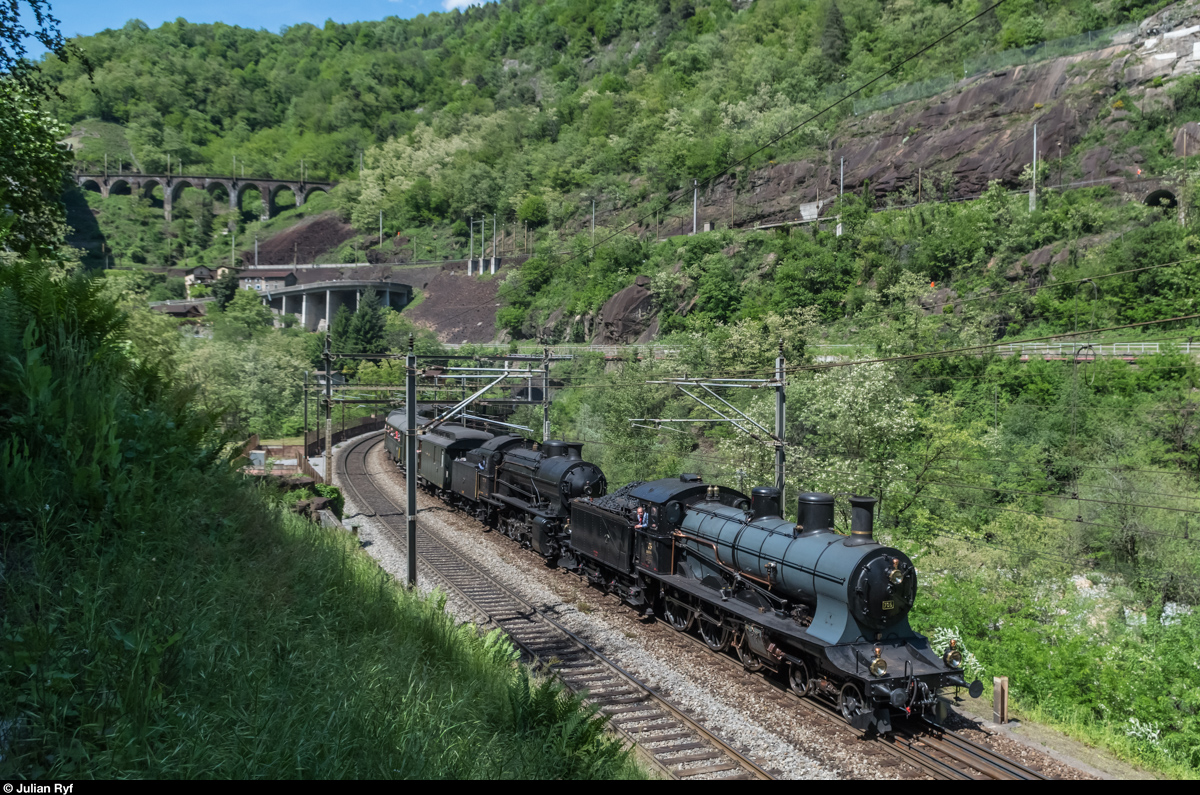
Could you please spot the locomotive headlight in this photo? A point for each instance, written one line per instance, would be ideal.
(896, 577)
(878, 667)
(953, 657)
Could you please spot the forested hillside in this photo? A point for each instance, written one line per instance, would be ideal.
(1048, 503)
(468, 111)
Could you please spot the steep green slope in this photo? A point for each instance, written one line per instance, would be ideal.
(164, 619)
(556, 95)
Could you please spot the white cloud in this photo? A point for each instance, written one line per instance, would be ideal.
(450, 5)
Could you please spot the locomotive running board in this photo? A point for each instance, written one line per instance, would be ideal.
(739, 609)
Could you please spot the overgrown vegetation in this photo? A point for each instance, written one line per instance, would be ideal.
(164, 619)
(521, 109)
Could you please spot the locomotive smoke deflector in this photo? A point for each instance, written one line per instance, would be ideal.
(862, 521)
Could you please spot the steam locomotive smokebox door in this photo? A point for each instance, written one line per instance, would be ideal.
(601, 536)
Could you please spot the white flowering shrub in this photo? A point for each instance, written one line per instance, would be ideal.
(939, 641)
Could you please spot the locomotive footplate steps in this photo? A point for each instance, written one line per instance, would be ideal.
(547, 645)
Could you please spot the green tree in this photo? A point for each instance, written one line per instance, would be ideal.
(834, 41)
(225, 288)
(368, 326)
(244, 319)
(341, 331)
(534, 210)
(33, 166)
(14, 64)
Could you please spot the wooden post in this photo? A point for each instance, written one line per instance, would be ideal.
(1000, 699)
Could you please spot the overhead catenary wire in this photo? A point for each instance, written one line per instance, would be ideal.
(707, 181)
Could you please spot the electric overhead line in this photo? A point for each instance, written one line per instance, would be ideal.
(707, 181)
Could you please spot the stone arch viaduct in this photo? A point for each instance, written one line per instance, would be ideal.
(173, 184)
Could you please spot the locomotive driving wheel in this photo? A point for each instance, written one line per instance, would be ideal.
(850, 702)
(677, 615)
(715, 636)
(799, 679)
(750, 661)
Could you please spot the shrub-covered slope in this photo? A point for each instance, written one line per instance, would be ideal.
(164, 619)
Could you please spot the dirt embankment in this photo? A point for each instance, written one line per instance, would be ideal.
(303, 243)
(457, 307)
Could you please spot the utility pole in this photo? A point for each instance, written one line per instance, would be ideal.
(328, 358)
(695, 202)
(593, 223)
(780, 409)
(410, 458)
(493, 268)
(545, 396)
(841, 193)
(482, 242)
(306, 413)
(232, 244)
(256, 249)
(381, 230)
(1033, 182)
(471, 250)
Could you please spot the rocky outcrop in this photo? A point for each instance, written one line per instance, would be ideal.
(629, 316)
(980, 130)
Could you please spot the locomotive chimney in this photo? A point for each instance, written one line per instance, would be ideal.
(814, 509)
(862, 521)
(764, 502)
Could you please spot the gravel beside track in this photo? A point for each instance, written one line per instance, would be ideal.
(754, 715)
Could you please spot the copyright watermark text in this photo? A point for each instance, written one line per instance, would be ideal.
(38, 789)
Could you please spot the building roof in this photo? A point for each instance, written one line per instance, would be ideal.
(180, 310)
(279, 274)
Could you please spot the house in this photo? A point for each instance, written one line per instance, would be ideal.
(265, 281)
(186, 312)
(200, 274)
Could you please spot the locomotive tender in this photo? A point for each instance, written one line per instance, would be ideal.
(828, 611)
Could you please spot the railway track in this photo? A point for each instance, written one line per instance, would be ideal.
(663, 733)
(659, 729)
(940, 752)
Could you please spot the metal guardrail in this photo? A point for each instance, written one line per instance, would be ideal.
(1055, 48)
(1087, 350)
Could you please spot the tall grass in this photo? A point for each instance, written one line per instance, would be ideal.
(162, 618)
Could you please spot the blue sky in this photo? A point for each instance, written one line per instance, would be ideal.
(83, 17)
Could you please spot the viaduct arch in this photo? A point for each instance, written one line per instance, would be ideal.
(173, 184)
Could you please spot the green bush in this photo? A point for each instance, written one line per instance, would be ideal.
(163, 619)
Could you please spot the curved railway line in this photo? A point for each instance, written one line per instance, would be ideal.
(665, 735)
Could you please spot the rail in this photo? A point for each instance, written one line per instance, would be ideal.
(644, 717)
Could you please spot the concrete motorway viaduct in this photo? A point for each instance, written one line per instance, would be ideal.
(173, 184)
(316, 303)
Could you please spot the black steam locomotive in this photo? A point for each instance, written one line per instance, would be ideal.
(828, 611)
(502, 480)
